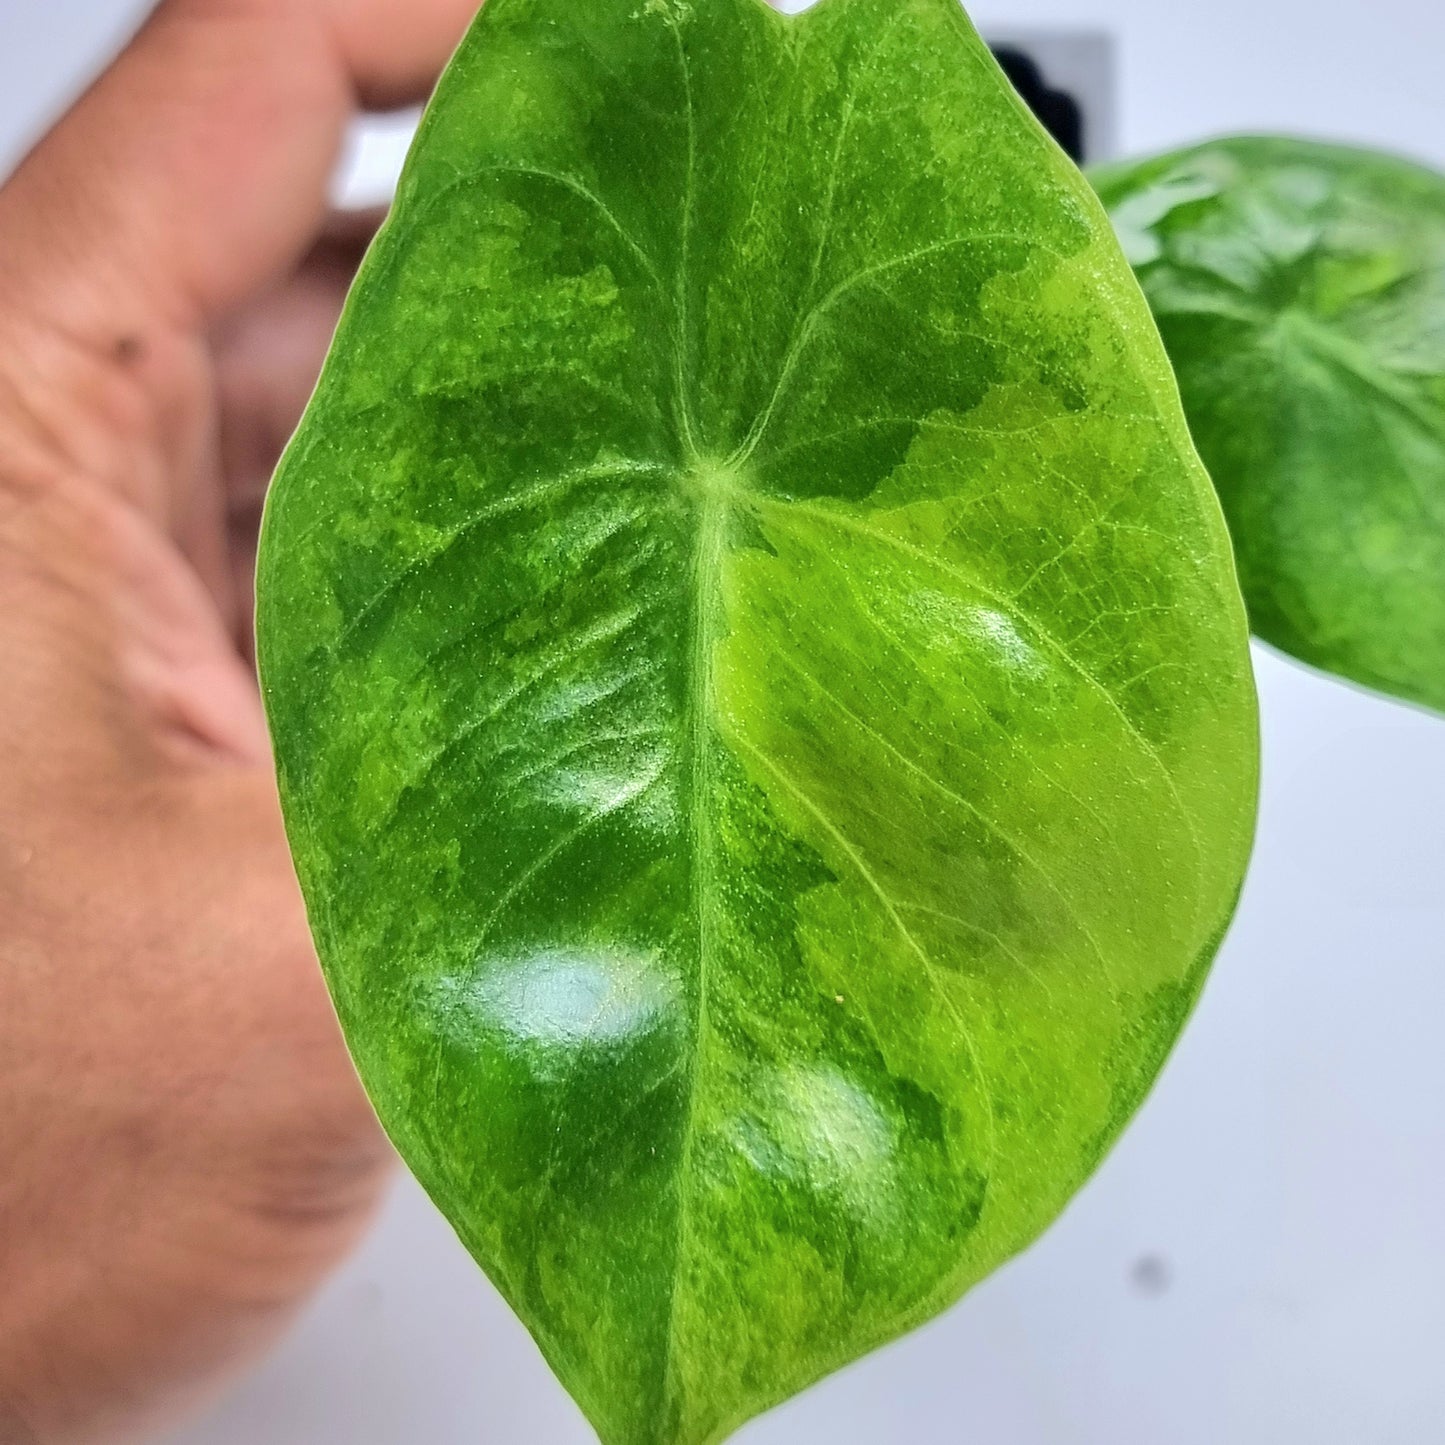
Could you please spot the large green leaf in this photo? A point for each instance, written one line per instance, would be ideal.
(1301, 292)
(760, 689)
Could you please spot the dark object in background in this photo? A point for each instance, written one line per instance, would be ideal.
(1056, 109)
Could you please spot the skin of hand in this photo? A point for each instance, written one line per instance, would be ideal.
(186, 1151)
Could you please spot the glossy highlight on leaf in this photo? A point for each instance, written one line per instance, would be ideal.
(761, 697)
(1300, 290)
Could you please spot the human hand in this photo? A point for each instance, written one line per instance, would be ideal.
(186, 1150)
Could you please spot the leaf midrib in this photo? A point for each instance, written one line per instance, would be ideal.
(714, 508)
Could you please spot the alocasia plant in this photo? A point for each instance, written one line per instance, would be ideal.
(760, 690)
(1300, 289)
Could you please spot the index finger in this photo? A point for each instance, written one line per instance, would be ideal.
(195, 170)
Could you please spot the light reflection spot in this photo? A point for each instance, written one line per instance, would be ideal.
(560, 999)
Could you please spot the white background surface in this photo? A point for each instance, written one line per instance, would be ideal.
(1285, 1186)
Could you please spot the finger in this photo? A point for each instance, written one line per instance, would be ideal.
(115, 665)
(196, 169)
(267, 359)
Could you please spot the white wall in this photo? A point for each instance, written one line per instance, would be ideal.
(1262, 1261)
